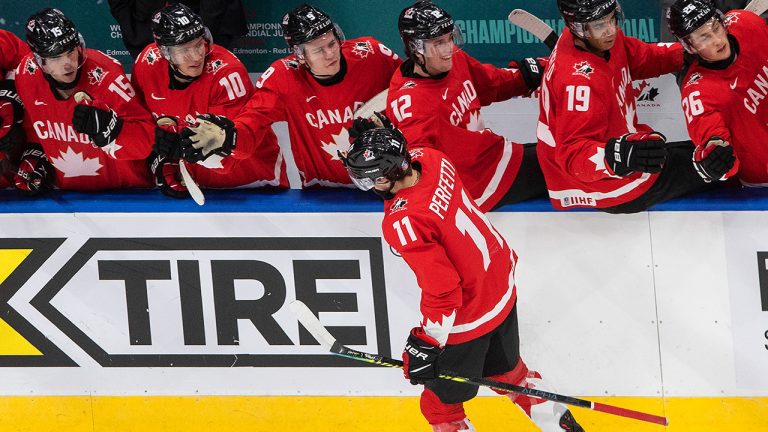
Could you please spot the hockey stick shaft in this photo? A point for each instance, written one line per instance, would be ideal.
(313, 325)
(377, 103)
(758, 7)
(532, 24)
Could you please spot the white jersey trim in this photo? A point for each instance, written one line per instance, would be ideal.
(544, 134)
(501, 168)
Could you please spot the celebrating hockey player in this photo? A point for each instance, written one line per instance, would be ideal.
(184, 74)
(435, 99)
(466, 273)
(316, 90)
(12, 49)
(723, 90)
(97, 143)
(592, 150)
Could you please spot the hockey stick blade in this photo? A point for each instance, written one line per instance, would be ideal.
(758, 7)
(313, 325)
(377, 103)
(532, 24)
(189, 182)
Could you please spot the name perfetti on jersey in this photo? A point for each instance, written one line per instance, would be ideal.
(444, 191)
(758, 92)
(466, 97)
(322, 118)
(59, 131)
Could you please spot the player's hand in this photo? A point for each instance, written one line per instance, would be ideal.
(532, 71)
(11, 117)
(715, 160)
(420, 356)
(360, 125)
(644, 152)
(96, 120)
(213, 134)
(167, 139)
(167, 176)
(35, 173)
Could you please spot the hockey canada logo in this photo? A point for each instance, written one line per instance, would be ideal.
(96, 75)
(362, 49)
(30, 67)
(416, 153)
(291, 64)
(398, 205)
(215, 65)
(368, 155)
(694, 79)
(408, 84)
(645, 92)
(731, 18)
(583, 68)
(152, 56)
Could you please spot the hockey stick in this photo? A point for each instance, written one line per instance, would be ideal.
(189, 182)
(758, 7)
(529, 22)
(377, 103)
(313, 325)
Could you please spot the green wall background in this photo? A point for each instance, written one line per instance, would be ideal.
(490, 38)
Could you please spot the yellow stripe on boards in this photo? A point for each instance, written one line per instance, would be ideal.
(10, 259)
(11, 343)
(335, 414)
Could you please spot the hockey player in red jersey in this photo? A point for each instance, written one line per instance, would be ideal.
(316, 90)
(435, 99)
(12, 49)
(184, 74)
(100, 142)
(723, 89)
(592, 150)
(465, 270)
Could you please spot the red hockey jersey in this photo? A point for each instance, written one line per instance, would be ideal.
(463, 265)
(12, 49)
(80, 164)
(318, 116)
(729, 103)
(222, 89)
(586, 100)
(445, 114)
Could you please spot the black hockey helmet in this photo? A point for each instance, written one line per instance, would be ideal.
(685, 16)
(177, 24)
(579, 13)
(379, 152)
(305, 23)
(50, 33)
(425, 20)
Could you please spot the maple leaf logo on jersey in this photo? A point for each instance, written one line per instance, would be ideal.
(599, 160)
(215, 65)
(694, 79)
(362, 49)
(731, 18)
(645, 92)
(72, 164)
(476, 123)
(416, 153)
(30, 67)
(152, 56)
(408, 84)
(340, 143)
(96, 75)
(583, 68)
(290, 64)
(398, 205)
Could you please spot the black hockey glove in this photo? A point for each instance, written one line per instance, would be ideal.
(11, 117)
(98, 121)
(213, 134)
(714, 160)
(644, 152)
(532, 72)
(35, 173)
(420, 357)
(167, 139)
(360, 125)
(167, 176)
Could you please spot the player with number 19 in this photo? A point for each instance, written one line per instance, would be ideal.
(97, 143)
(465, 270)
(184, 74)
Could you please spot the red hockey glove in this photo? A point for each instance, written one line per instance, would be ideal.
(715, 160)
(213, 134)
(11, 116)
(644, 152)
(167, 138)
(167, 176)
(531, 69)
(96, 120)
(35, 173)
(420, 356)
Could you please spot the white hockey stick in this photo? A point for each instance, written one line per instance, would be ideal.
(758, 7)
(377, 103)
(313, 325)
(189, 182)
(531, 23)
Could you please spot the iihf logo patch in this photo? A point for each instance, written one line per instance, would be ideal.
(694, 79)
(583, 68)
(96, 75)
(368, 155)
(215, 65)
(398, 205)
(362, 49)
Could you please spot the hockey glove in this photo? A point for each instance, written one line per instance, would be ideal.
(11, 116)
(167, 176)
(714, 160)
(212, 134)
(35, 173)
(420, 356)
(96, 120)
(360, 125)
(644, 152)
(531, 70)
(167, 138)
